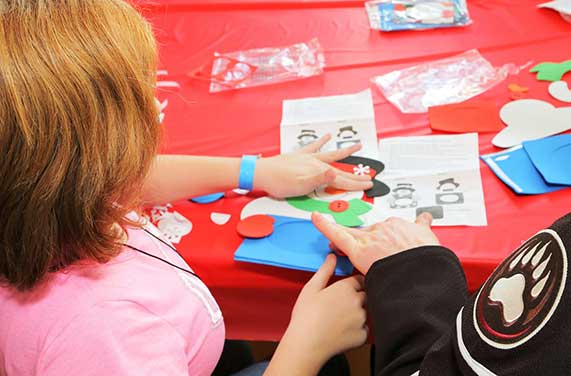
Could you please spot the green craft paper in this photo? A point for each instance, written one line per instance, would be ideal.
(551, 71)
(349, 217)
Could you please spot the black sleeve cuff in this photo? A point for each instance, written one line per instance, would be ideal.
(411, 259)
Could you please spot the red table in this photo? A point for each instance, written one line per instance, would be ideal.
(256, 300)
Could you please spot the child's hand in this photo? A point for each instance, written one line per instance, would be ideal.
(299, 173)
(366, 246)
(328, 320)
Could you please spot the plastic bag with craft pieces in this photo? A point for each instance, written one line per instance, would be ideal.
(451, 80)
(392, 15)
(265, 66)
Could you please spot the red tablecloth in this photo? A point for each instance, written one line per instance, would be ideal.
(257, 300)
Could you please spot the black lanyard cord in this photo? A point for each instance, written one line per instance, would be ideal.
(159, 258)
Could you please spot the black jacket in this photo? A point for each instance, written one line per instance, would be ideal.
(518, 323)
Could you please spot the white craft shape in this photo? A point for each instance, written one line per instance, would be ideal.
(219, 218)
(562, 6)
(560, 91)
(530, 119)
(174, 226)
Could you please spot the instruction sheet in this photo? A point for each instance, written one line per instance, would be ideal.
(436, 174)
(350, 119)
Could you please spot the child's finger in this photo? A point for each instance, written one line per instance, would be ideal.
(356, 282)
(333, 156)
(425, 219)
(314, 147)
(341, 182)
(321, 277)
(327, 177)
(353, 176)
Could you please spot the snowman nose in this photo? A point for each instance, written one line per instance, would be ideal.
(334, 191)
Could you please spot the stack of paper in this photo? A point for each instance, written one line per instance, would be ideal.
(436, 174)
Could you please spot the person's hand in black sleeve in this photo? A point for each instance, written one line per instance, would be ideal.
(414, 287)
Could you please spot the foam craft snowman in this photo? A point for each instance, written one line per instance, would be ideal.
(351, 209)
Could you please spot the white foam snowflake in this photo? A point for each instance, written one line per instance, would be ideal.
(361, 170)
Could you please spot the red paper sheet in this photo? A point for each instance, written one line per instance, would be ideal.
(471, 116)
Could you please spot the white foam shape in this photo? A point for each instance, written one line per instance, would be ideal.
(159, 211)
(272, 206)
(560, 91)
(241, 191)
(320, 194)
(502, 158)
(537, 289)
(562, 6)
(329, 218)
(539, 255)
(374, 216)
(361, 170)
(528, 255)
(530, 119)
(539, 271)
(172, 84)
(174, 226)
(509, 293)
(220, 218)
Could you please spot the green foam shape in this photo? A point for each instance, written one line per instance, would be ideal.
(551, 71)
(349, 217)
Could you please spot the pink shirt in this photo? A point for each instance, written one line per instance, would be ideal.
(132, 316)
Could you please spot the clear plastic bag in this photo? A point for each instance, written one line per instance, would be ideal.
(451, 80)
(390, 15)
(264, 66)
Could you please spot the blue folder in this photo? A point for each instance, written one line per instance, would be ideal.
(515, 169)
(551, 157)
(294, 244)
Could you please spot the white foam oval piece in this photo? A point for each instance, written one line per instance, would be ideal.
(272, 206)
(560, 91)
(220, 218)
(241, 191)
(530, 119)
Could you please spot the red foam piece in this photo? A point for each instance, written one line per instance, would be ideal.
(473, 116)
(256, 226)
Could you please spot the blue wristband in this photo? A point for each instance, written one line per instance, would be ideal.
(247, 169)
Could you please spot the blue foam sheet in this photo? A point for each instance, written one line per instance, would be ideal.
(551, 157)
(515, 169)
(207, 199)
(294, 244)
